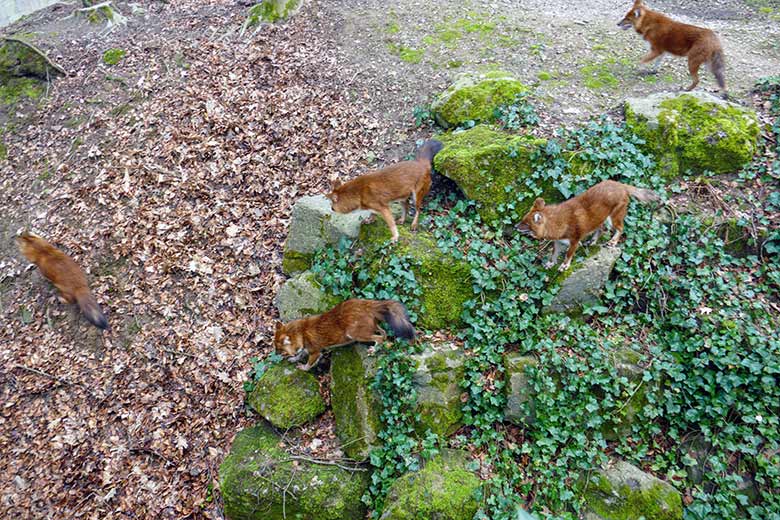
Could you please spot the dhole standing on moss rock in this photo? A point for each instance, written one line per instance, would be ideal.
(571, 221)
(64, 273)
(348, 322)
(376, 190)
(699, 44)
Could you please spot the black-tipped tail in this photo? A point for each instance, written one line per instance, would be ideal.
(718, 66)
(429, 150)
(91, 311)
(397, 318)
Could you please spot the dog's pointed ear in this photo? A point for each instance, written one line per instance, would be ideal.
(539, 203)
(278, 326)
(336, 184)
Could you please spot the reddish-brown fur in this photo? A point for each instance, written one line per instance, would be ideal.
(579, 216)
(347, 322)
(699, 44)
(376, 190)
(64, 273)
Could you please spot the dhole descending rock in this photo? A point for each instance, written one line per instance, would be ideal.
(348, 322)
(376, 190)
(569, 222)
(699, 44)
(64, 273)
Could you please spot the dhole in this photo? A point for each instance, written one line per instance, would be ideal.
(569, 222)
(347, 322)
(64, 273)
(376, 190)
(663, 34)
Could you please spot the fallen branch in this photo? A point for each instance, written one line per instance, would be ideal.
(47, 375)
(37, 51)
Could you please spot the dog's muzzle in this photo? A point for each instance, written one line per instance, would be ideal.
(625, 25)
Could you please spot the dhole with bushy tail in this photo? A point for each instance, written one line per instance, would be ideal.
(571, 221)
(64, 273)
(699, 44)
(348, 322)
(376, 190)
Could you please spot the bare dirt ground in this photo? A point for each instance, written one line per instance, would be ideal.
(170, 178)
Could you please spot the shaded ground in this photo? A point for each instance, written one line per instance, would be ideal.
(170, 177)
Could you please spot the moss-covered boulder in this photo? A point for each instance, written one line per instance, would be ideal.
(356, 407)
(443, 489)
(445, 283)
(583, 282)
(302, 296)
(259, 481)
(437, 376)
(627, 363)
(474, 97)
(313, 225)
(519, 407)
(490, 167)
(624, 492)
(272, 11)
(286, 396)
(694, 131)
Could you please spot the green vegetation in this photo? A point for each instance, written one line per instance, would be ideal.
(113, 56)
(14, 89)
(407, 54)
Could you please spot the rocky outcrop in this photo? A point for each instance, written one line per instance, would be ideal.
(624, 492)
(302, 296)
(314, 225)
(259, 481)
(475, 97)
(583, 283)
(490, 167)
(286, 396)
(694, 131)
(444, 488)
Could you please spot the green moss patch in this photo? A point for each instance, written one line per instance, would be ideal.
(259, 481)
(113, 56)
(489, 166)
(474, 97)
(271, 11)
(444, 489)
(286, 396)
(13, 89)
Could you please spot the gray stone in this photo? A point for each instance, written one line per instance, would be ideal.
(584, 283)
(286, 396)
(626, 362)
(518, 389)
(444, 489)
(259, 481)
(302, 296)
(624, 491)
(314, 225)
(357, 409)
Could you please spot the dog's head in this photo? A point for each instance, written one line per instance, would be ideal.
(341, 200)
(286, 344)
(633, 17)
(534, 221)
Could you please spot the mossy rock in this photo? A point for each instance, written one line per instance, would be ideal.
(627, 363)
(287, 396)
(443, 489)
(19, 60)
(272, 11)
(474, 97)
(584, 281)
(314, 225)
(490, 167)
(624, 492)
(437, 376)
(356, 407)
(520, 407)
(303, 296)
(258, 481)
(446, 283)
(694, 132)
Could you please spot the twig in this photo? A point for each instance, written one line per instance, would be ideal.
(38, 51)
(325, 463)
(141, 449)
(47, 375)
